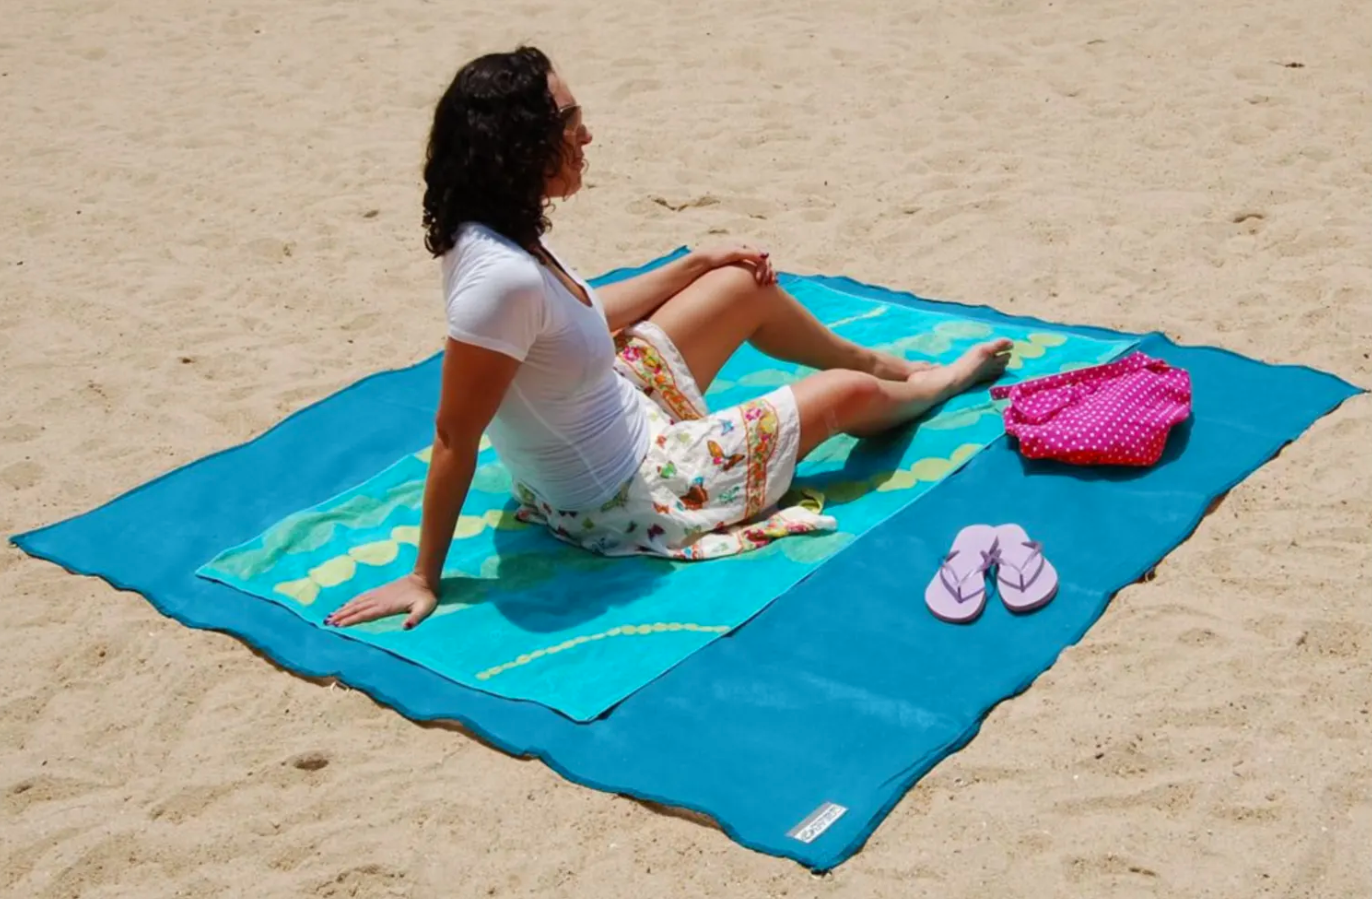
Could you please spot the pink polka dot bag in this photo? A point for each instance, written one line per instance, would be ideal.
(1116, 414)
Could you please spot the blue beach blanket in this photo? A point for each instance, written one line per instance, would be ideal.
(826, 707)
(527, 616)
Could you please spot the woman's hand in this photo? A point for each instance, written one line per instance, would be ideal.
(758, 259)
(407, 594)
(634, 299)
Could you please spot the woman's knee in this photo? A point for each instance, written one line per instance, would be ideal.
(725, 292)
(736, 279)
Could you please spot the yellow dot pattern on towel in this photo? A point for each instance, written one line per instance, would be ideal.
(930, 469)
(627, 630)
(343, 568)
(1033, 347)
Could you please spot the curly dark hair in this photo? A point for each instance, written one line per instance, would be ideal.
(497, 137)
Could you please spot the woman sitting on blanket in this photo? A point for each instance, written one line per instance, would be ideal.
(593, 399)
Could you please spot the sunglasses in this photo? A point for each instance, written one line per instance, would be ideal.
(571, 117)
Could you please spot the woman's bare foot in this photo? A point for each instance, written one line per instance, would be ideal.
(983, 362)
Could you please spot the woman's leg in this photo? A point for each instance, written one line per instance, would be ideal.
(863, 405)
(723, 309)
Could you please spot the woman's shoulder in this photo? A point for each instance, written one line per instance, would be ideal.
(477, 241)
(482, 256)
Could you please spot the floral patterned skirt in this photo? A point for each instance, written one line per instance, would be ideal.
(712, 484)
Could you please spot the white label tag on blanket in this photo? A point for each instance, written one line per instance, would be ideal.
(817, 822)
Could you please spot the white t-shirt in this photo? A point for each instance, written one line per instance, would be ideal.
(570, 426)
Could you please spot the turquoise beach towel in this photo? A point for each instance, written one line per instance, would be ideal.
(825, 708)
(526, 616)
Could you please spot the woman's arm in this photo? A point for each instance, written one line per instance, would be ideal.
(451, 466)
(634, 299)
(473, 383)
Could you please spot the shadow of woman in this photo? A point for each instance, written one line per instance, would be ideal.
(541, 584)
(859, 476)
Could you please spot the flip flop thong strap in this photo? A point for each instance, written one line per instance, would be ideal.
(1035, 556)
(954, 584)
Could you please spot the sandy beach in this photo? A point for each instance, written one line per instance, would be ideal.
(211, 219)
